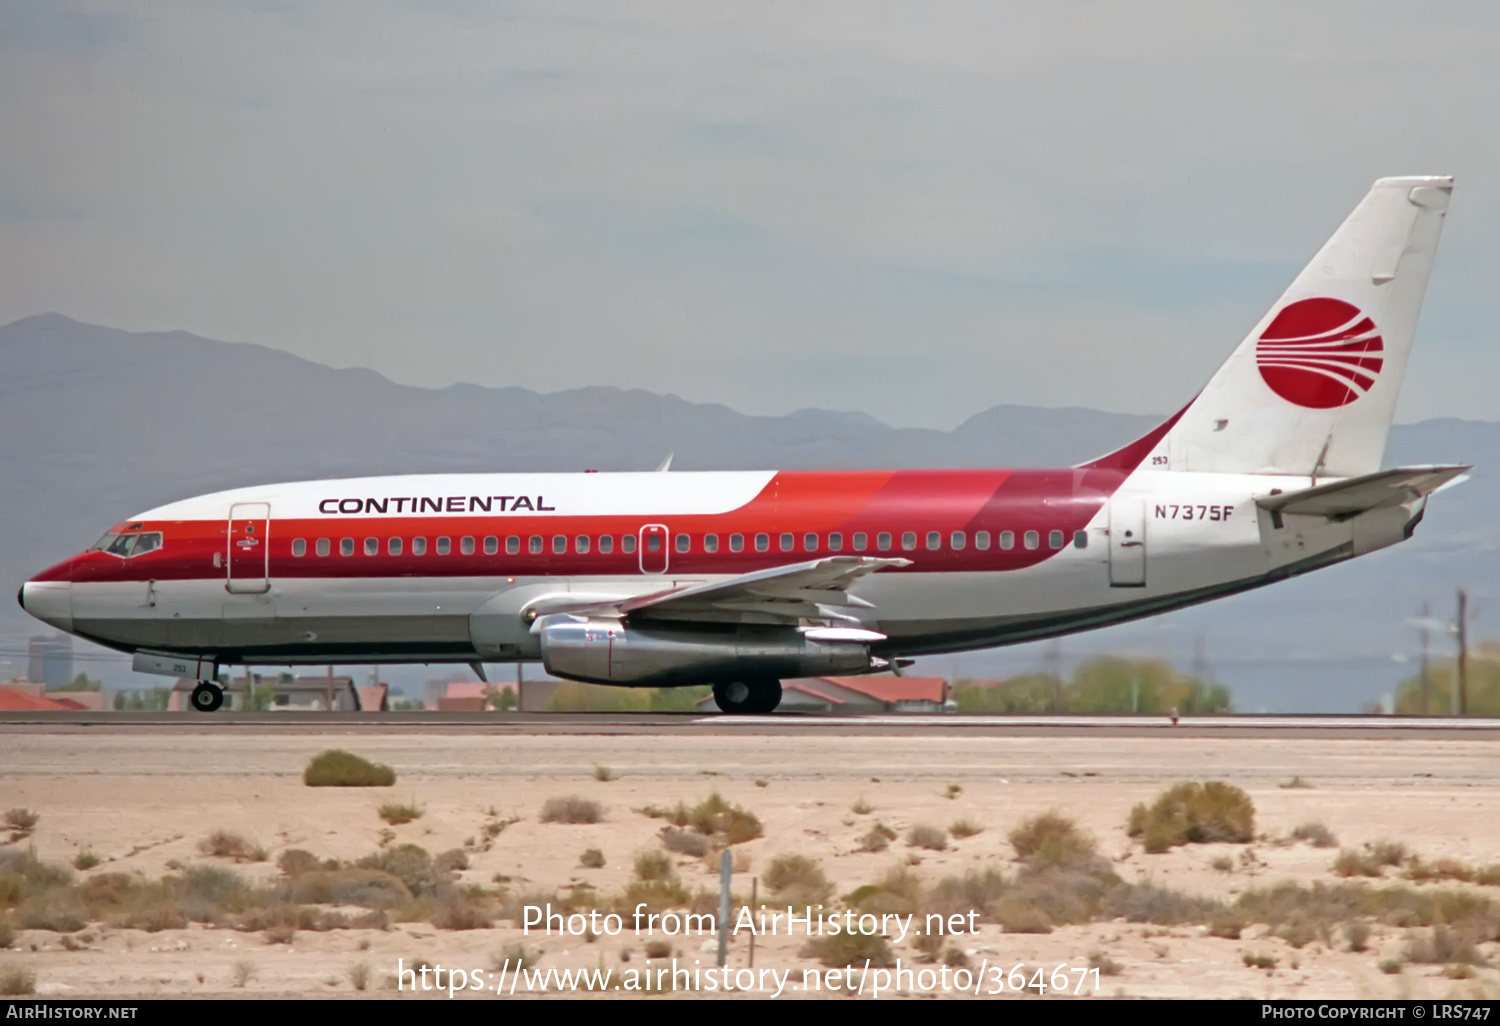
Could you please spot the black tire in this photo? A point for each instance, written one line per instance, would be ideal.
(208, 697)
(768, 695)
(742, 697)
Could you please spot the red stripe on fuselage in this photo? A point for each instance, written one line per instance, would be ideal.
(797, 503)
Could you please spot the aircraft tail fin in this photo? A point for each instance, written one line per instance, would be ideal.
(1312, 389)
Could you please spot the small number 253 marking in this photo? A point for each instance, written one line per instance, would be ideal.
(1174, 512)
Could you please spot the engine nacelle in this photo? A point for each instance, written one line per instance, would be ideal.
(609, 652)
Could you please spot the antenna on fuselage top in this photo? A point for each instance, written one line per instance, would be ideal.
(666, 464)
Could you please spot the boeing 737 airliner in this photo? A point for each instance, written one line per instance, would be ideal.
(739, 580)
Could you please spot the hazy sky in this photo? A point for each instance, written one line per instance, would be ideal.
(917, 210)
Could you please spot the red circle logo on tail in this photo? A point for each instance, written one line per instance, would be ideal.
(1320, 353)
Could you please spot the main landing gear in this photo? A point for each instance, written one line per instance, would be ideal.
(208, 696)
(748, 696)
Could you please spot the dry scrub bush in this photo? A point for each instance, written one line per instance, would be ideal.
(1371, 861)
(1315, 834)
(845, 949)
(655, 884)
(452, 861)
(1107, 966)
(359, 975)
(397, 813)
(409, 863)
(1357, 933)
(1051, 840)
(861, 807)
(1194, 813)
(17, 980)
(899, 892)
(21, 822)
(86, 859)
(571, 809)
(368, 888)
(878, 839)
(926, 836)
(975, 891)
(338, 768)
(964, 828)
(7, 933)
(604, 774)
(515, 956)
(592, 858)
(682, 842)
(295, 861)
(713, 817)
(657, 948)
(797, 880)
(461, 912)
(1444, 945)
(222, 844)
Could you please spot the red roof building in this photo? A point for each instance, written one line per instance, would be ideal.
(17, 700)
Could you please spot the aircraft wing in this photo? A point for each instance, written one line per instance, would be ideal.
(817, 589)
(1355, 495)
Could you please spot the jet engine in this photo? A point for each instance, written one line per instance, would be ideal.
(605, 651)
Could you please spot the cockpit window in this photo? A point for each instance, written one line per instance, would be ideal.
(127, 545)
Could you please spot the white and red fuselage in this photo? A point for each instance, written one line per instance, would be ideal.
(673, 578)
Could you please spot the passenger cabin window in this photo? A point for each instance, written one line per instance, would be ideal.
(1080, 539)
(581, 544)
(860, 541)
(559, 544)
(957, 540)
(419, 546)
(835, 541)
(393, 546)
(323, 546)
(762, 543)
(909, 540)
(466, 545)
(606, 544)
(787, 541)
(534, 545)
(736, 543)
(934, 540)
(684, 543)
(981, 539)
(627, 543)
(1054, 539)
(810, 542)
(491, 545)
(346, 546)
(883, 541)
(444, 546)
(1007, 539)
(372, 546)
(710, 543)
(512, 546)
(1032, 539)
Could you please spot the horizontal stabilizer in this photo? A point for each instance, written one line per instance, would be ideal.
(1355, 495)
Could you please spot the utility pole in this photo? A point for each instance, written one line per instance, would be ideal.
(330, 689)
(1426, 678)
(520, 688)
(1463, 654)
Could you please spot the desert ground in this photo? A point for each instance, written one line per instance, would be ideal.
(143, 802)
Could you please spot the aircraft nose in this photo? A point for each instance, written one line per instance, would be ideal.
(49, 601)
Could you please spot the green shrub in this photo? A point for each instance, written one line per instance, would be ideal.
(1194, 813)
(225, 845)
(409, 863)
(338, 768)
(1051, 840)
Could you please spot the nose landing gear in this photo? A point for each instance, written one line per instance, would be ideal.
(208, 696)
(748, 696)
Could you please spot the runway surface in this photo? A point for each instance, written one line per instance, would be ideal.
(693, 725)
